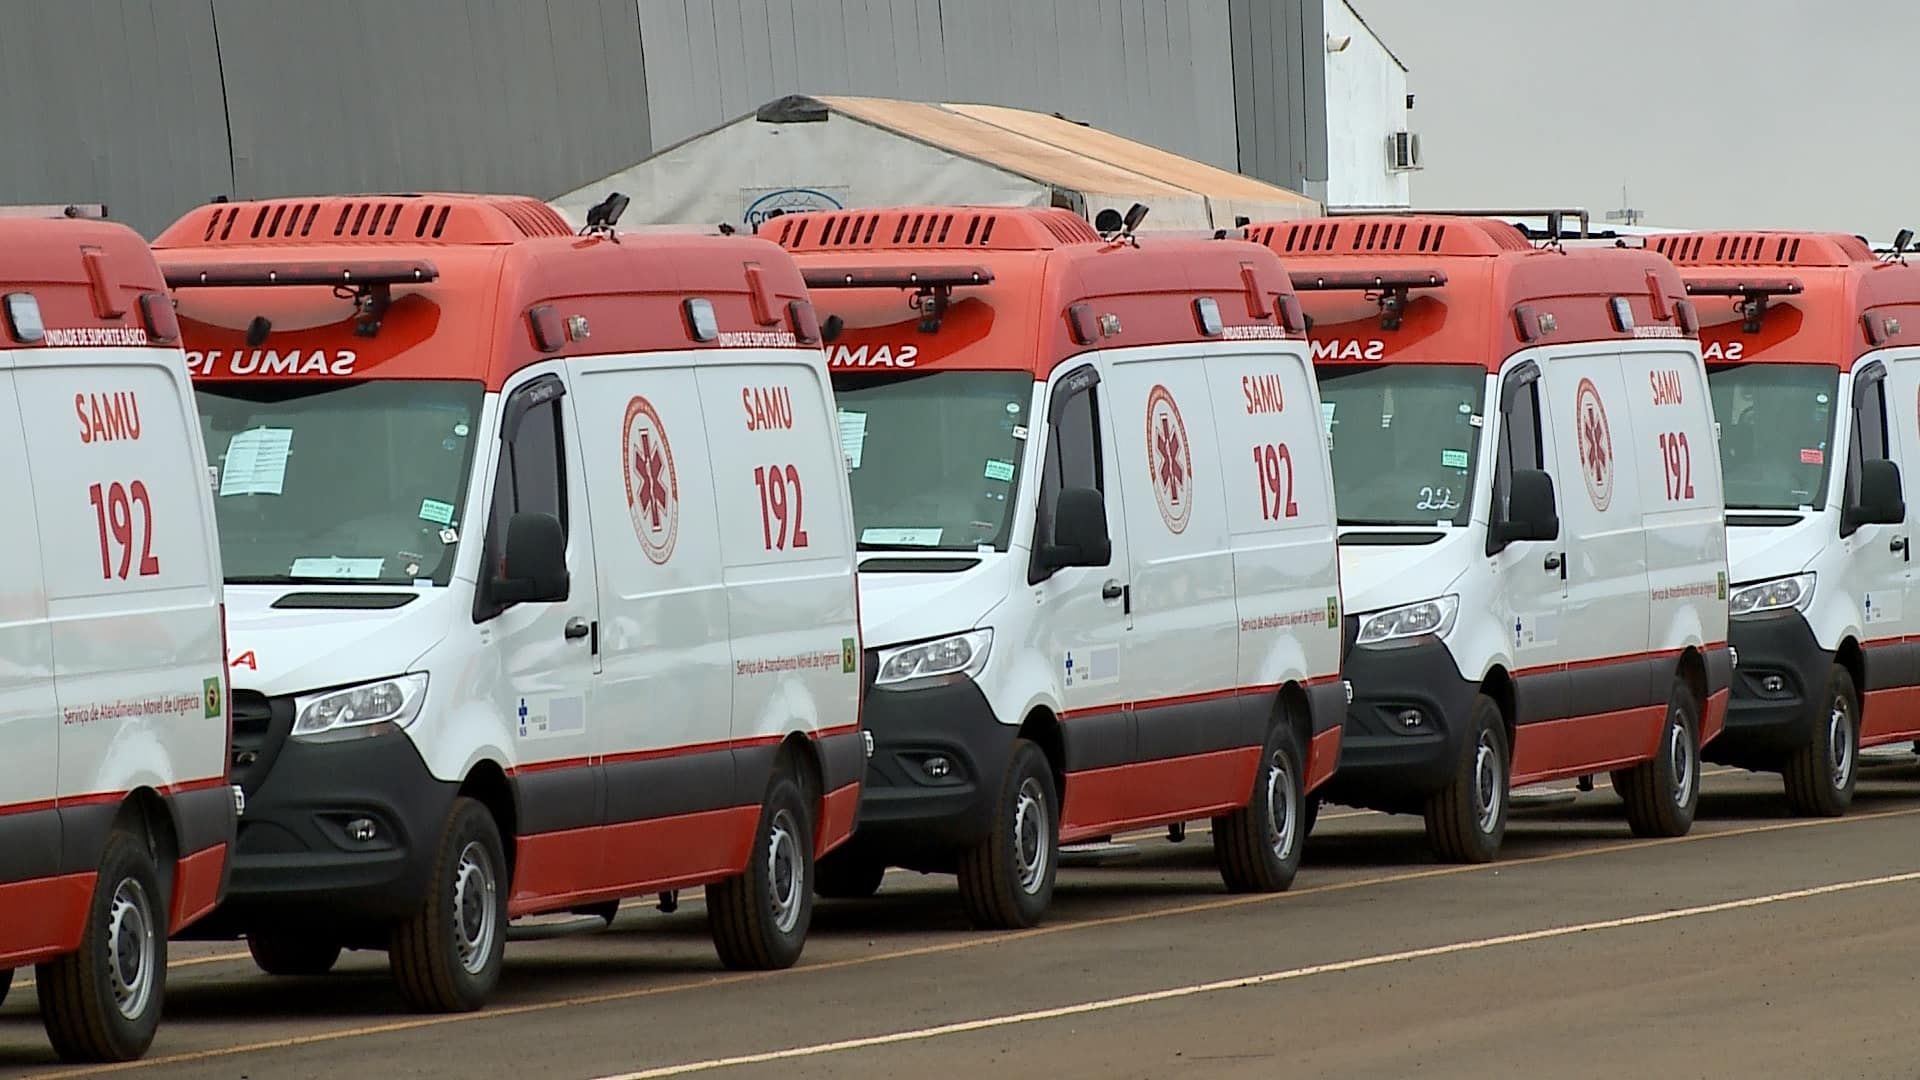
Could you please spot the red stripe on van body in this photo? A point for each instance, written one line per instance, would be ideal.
(1191, 699)
(1889, 716)
(582, 866)
(1714, 719)
(1623, 658)
(196, 886)
(1323, 755)
(837, 813)
(1102, 801)
(1580, 745)
(45, 918)
(672, 751)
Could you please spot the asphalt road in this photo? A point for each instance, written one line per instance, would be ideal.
(1760, 945)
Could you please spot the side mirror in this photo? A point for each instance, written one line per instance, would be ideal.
(536, 562)
(1532, 513)
(1879, 500)
(1079, 530)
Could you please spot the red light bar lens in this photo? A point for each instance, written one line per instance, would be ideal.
(549, 333)
(903, 277)
(1688, 316)
(189, 275)
(806, 323)
(1086, 330)
(1292, 315)
(1349, 280)
(156, 310)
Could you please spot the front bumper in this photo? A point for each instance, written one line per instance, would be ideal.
(1389, 764)
(1778, 690)
(938, 757)
(297, 863)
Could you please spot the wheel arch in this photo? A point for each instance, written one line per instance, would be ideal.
(1042, 728)
(487, 783)
(799, 756)
(1498, 685)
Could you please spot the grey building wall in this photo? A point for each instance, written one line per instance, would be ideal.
(153, 106)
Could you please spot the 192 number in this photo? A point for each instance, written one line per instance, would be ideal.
(113, 512)
(1679, 457)
(1273, 465)
(774, 482)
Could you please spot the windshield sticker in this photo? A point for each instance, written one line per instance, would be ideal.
(853, 436)
(1813, 457)
(449, 536)
(1019, 431)
(902, 537)
(1477, 420)
(213, 477)
(440, 513)
(333, 566)
(461, 429)
(999, 470)
(1453, 459)
(1326, 417)
(256, 462)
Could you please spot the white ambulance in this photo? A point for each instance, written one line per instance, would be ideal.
(1098, 571)
(1813, 359)
(540, 564)
(115, 811)
(1530, 519)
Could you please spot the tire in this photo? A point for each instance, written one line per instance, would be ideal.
(1006, 880)
(103, 1001)
(1662, 793)
(1468, 819)
(289, 954)
(846, 876)
(1820, 775)
(1309, 816)
(1258, 846)
(759, 918)
(447, 956)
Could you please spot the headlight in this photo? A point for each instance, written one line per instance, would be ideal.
(1428, 617)
(1776, 595)
(393, 701)
(961, 654)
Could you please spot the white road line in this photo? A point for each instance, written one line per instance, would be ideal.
(1130, 1000)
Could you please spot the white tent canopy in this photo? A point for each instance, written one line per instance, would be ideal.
(805, 153)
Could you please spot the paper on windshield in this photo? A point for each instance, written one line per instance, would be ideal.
(853, 436)
(333, 566)
(440, 513)
(1326, 416)
(999, 470)
(256, 462)
(1453, 459)
(903, 537)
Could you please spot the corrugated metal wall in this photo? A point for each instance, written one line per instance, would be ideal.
(152, 106)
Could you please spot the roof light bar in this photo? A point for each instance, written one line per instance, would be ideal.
(902, 277)
(1367, 280)
(190, 275)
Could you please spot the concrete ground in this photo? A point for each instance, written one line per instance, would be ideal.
(1759, 945)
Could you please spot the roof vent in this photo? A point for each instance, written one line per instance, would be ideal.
(448, 219)
(930, 228)
(1760, 249)
(1390, 235)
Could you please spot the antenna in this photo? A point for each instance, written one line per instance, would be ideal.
(1626, 215)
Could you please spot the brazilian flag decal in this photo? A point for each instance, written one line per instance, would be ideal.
(849, 656)
(210, 692)
(1333, 612)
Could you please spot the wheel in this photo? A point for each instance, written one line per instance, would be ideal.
(1663, 792)
(1820, 775)
(1006, 880)
(102, 1002)
(1467, 820)
(844, 875)
(289, 954)
(759, 918)
(447, 956)
(1258, 846)
(1309, 815)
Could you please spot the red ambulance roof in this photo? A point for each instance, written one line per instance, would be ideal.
(1500, 294)
(1828, 300)
(87, 279)
(498, 265)
(1019, 279)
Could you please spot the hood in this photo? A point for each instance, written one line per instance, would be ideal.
(278, 651)
(1758, 552)
(1376, 576)
(897, 606)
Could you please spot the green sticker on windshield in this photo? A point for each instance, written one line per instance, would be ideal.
(1453, 459)
(438, 512)
(999, 470)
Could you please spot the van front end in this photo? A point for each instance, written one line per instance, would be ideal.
(1409, 717)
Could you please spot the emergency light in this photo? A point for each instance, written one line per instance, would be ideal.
(1392, 285)
(1753, 292)
(371, 282)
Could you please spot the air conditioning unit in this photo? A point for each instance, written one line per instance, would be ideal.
(1403, 152)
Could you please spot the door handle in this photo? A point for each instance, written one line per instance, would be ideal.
(577, 628)
(1555, 562)
(1111, 591)
(1897, 545)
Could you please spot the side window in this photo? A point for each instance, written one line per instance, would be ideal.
(1870, 422)
(1519, 436)
(1073, 453)
(533, 473)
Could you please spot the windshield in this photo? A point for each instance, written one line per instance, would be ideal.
(1404, 440)
(934, 456)
(1776, 426)
(339, 481)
